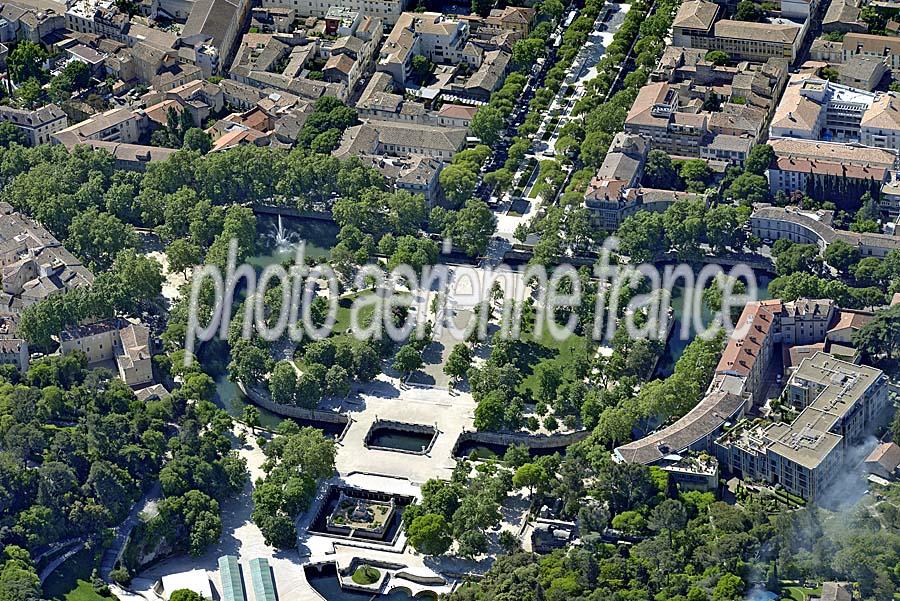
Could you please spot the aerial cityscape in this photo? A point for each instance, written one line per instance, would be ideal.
(457, 300)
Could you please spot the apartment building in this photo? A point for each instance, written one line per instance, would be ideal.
(693, 23)
(266, 61)
(863, 72)
(839, 404)
(749, 350)
(388, 11)
(379, 101)
(817, 109)
(886, 48)
(829, 171)
(38, 125)
(439, 38)
(758, 42)
(33, 263)
(402, 139)
(655, 115)
(671, 118)
(125, 344)
(212, 31)
(30, 21)
(880, 125)
(415, 174)
(116, 125)
(14, 351)
(511, 19)
(807, 227)
(695, 26)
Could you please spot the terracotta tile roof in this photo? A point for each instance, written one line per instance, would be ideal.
(696, 14)
(762, 32)
(748, 338)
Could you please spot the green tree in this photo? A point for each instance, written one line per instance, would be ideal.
(725, 228)
(29, 92)
(798, 258)
(182, 255)
(759, 159)
(714, 292)
(421, 67)
(642, 236)
(749, 188)
(25, 62)
(249, 362)
(525, 52)
(531, 476)
(695, 173)
(881, 336)
(458, 183)
(552, 8)
(729, 587)
(251, 417)
(283, 383)
(337, 381)
(669, 516)
(98, 237)
(487, 124)
(184, 594)
(717, 57)
(747, 10)
(659, 172)
(10, 134)
(458, 362)
(630, 522)
(470, 228)
(408, 359)
(841, 255)
(430, 534)
(198, 140)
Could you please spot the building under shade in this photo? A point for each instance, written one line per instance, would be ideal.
(261, 577)
(232, 583)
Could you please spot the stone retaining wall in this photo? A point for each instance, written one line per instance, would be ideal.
(532, 441)
(266, 402)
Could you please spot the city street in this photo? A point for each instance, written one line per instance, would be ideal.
(513, 210)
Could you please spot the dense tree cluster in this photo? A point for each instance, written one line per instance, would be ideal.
(617, 413)
(378, 222)
(490, 120)
(322, 130)
(462, 510)
(686, 546)
(662, 172)
(879, 340)
(683, 228)
(296, 458)
(460, 177)
(470, 228)
(77, 449)
(202, 472)
(861, 282)
(328, 366)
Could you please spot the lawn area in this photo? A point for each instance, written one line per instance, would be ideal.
(366, 575)
(71, 581)
(345, 304)
(345, 307)
(546, 351)
(799, 593)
